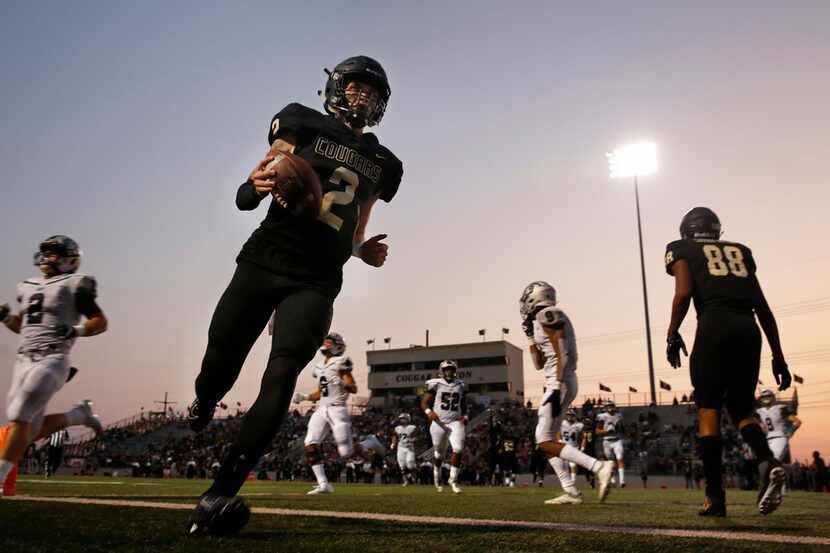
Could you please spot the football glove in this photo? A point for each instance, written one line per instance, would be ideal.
(527, 326)
(674, 344)
(781, 374)
(65, 331)
(299, 397)
(5, 310)
(555, 399)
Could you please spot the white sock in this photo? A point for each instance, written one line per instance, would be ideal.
(563, 471)
(572, 454)
(436, 473)
(454, 474)
(320, 474)
(621, 472)
(75, 416)
(5, 468)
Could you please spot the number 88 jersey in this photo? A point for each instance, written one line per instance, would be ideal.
(448, 398)
(723, 273)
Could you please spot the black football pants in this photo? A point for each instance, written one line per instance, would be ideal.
(303, 316)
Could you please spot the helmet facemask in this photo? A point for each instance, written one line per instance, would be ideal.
(57, 255)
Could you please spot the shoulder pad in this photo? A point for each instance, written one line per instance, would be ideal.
(392, 173)
(551, 316)
(85, 283)
(674, 251)
(294, 118)
(432, 383)
(345, 364)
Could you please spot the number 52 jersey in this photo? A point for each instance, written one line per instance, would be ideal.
(723, 274)
(448, 398)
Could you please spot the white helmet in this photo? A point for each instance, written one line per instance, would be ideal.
(338, 345)
(404, 418)
(449, 370)
(767, 397)
(536, 294)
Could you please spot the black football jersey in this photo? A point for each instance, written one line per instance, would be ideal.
(723, 274)
(351, 169)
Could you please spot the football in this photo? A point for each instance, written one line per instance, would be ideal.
(296, 186)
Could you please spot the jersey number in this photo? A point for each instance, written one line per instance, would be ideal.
(768, 420)
(337, 197)
(34, 313)
(722, 262)
(324, 386)
(449, 402)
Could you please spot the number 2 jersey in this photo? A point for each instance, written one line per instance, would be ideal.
(328, 374)
(611, 424)
(449, 398)
(723, 274)
(774, 419)
(351, 169)
(48, 302)
(406, 436)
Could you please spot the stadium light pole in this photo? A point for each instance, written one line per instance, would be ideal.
(634, 160)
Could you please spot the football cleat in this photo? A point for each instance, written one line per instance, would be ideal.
(321, 488)
(773, 478)
(90, 419)
(565, 499)
(604, 475)
(439, 488)
(199, 415)
(455, 487)
(218, 515)
(713, 508)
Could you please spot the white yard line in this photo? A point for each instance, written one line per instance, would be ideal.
(73, 482)
(560, 526)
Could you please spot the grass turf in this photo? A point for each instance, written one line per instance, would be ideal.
(60, 527)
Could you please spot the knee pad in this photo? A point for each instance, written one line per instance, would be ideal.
(313, 455)
(345, 450)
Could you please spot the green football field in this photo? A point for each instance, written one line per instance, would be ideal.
(478, 520)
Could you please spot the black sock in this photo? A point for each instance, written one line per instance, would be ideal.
(712, 447)
(754, 436)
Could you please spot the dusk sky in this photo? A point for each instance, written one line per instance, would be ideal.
(129, 126)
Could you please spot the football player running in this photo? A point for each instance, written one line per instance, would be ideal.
(570, 432)
(404, 443)
(445, 405)
(780, 425)
(720, 277)
(293, 264)
(334, 384)
(609, 427)
(48, 321)
(552, 344)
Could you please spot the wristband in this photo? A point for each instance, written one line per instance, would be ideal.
(356, 247)
(531, 341)
(80, 330)
(427, 411)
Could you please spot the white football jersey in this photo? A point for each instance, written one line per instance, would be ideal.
(571, 433)
(327, 373)
(48, 302)
(774, 419)
(448, 398)
(406, 436)
(611, 424)
(553, 316)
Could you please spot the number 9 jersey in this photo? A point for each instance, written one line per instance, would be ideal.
(351, 167)
(723, 274)
(329, 380)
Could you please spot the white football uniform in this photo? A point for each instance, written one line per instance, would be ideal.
(42, 364)
(406, 446)
(332, 415)
(449, 398)
(612, 442)
(571, 433)
(553, 316)
(774, 420)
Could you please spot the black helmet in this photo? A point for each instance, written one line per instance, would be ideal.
(361, 68)
(69, 254)
(700, 222)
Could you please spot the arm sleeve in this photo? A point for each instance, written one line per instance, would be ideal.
(392, 175)
(85, 294)
(246, 197)
(345, 365)
(295, 119)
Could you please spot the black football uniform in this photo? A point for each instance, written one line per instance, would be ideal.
(507, 454)
(726, 356)
(291, 266)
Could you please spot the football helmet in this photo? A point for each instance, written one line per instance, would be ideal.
(404, 419)
(767, 397)
(700, 222)
(536, 294)
(610, 407)
(570, 414)
(449, 370)
(337, 347)
(68, 251)
(362, 69)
